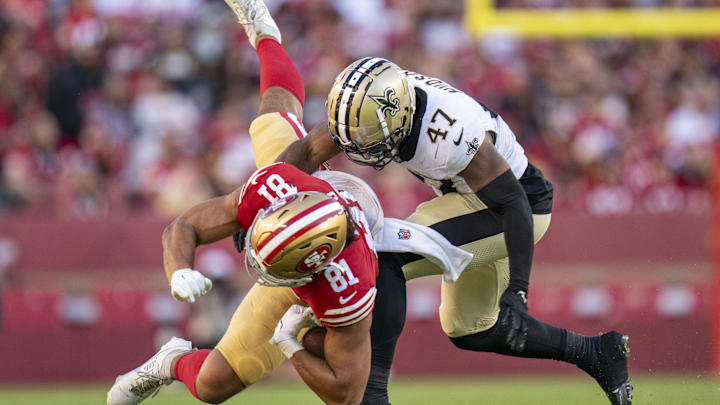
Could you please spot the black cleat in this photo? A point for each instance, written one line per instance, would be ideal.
(610, 368)
(617, 355)
(621, 395)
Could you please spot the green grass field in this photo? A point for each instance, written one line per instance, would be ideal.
(669, 390)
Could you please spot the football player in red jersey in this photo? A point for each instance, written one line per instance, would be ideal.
(309, 247)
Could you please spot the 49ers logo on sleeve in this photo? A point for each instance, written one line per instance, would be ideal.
(314, 259)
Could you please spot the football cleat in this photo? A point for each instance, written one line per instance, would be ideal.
(135, 386)
(611, 370)
(621, 395)
(255, 19)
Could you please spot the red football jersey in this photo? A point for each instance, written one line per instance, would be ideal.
(339, 296)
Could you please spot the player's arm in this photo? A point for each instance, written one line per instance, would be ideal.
(307, 154)
(341, 377)
(204, 223)
(489, 175)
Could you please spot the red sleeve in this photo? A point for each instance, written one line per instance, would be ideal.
(341, 298)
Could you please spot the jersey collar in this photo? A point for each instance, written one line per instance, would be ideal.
(407, 150)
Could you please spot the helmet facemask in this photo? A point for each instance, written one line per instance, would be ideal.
(378, 155)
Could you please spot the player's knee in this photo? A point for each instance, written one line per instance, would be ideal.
(278, 99)
(463, 342)
(485, 341)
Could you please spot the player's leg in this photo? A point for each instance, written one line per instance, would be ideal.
(279, 121)
(207, 375)
(387, 324)
(470, 308)
(471, 316)
(281, 88)
(241, 358)
(243, 355)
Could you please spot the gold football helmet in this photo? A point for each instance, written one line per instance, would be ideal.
(370, 111)
(294, 238)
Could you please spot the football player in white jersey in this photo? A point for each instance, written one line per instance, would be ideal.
(491, 202)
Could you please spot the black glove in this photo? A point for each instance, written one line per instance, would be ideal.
(239, 240)
(513, 310)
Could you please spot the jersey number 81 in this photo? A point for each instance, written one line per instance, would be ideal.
(336, 277)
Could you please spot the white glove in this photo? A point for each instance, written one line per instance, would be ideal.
(188, 284)
(295, 319)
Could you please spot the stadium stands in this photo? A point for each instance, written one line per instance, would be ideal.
(128, 108)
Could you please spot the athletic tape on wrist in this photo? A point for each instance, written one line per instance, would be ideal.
(290, 347)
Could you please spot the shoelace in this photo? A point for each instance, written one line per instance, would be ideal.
(146, 385)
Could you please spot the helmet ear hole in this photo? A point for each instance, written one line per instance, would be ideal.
(305, 246)
(333, 236)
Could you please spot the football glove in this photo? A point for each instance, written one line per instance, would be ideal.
(295, 319)
(239, 240)
(513, 307)
(188, 284)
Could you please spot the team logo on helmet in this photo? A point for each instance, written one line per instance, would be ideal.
(314, 259)
(388, 102)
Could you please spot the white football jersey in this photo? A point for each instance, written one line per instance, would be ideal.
(452, 127)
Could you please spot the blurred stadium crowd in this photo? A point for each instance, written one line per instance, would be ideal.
(604, 3)
(141, 107)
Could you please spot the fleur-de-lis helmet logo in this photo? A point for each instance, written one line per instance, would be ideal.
(388, 102)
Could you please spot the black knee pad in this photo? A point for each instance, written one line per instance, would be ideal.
(543, 341)
(485, 341)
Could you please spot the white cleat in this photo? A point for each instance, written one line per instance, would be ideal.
(255, 18)
(135, 386)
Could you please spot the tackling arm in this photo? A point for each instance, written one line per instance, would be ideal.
(307, 154)
(341, 377)
(204, 223)
(496, 186)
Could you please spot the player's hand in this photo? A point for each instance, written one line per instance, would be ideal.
(513, 305)
(296, 318)
(239, 240)
(188, 284)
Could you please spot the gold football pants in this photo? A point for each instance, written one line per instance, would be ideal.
(470, 304)
(245, 344)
